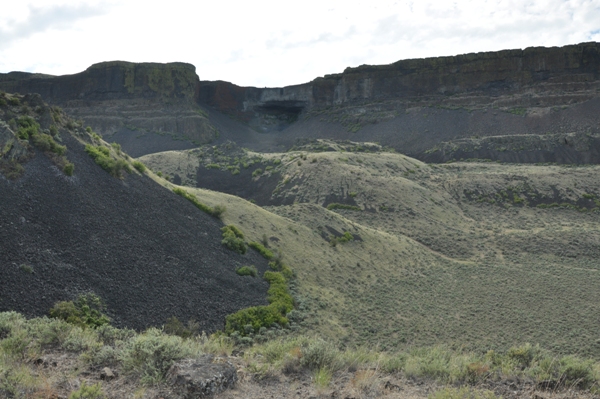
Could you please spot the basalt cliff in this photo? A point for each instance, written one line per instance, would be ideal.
(533, 105)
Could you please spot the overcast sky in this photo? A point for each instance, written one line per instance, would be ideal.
(277, 43)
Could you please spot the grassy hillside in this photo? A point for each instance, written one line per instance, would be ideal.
(475, 255)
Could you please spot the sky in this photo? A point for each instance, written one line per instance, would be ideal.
(278, 43)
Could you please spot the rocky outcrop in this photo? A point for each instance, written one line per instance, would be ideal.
(491, 73)
(125, 101)
(114, 80)
(202, 377)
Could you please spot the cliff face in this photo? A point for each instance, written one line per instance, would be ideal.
(417, 105)
(412, 105)
(109, 81)
(123, 101)
(492, 73)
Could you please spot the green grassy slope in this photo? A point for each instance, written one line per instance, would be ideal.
(458, 254)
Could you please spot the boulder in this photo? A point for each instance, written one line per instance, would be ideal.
(201, 377)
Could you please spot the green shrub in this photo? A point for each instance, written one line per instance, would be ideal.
(79, 339)
(116, 147)
(247, 271)
(256, 316)
(266, 253)
(322, 377)
(11, 169)
(14, 101)
(576, 372)
(69, 168)
(278, 265)
(335, 205)
(394, 364)
(278, 293)
(16, 344)
(3, 102)
(88, 392)
(280, 303)
(522, 355)
(27, 127)
(26, 268)
(347, 236)
(257, 172)
(139, 166)
(151, 354)
(85, 311)
(53, 130)
(45, 142)
(319, 354)
(233, 238)
(101, 155)
(216, 211)
(176, 327)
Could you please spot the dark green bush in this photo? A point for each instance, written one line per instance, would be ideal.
(347, 236)
(247, 271)
(257, 172)
(280, 303)
(278, 294)
(266, 253)
(69, 168)
(86, 311)
(335, 205)
(233, 238)
(101, 155)
(11, 169)
(116, 147)
(27, 127)
(26, 268)
(140, 167)
(256, 316)
(176, 327)
(3, 102)
(278, 265)
(216, 211)
(14, 101)
(45, 142)
(53, 130)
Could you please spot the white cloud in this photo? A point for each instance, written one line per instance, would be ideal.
(274, 43)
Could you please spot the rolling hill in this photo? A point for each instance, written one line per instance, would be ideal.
(481, 255)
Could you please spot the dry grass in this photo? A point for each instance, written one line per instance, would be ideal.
(435, 261)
